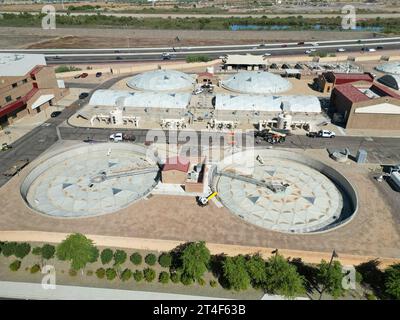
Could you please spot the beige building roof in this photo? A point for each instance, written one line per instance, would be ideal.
(245, 59)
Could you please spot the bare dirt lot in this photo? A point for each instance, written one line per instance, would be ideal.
(106, 38)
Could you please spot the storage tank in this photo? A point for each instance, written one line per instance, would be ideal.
(284, 121)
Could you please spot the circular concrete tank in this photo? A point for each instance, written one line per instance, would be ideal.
(90, 179)
(284, 191)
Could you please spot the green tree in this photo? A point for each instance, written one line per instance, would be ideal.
(150, 259)
(78, 249)
(48, 251)
(165, 260)
(126, 275)
(149, 274)
(195, 259)
(138, 275)
(37, 251)
(255, 267)
(15, 265)
(106, 256)
(282, 277)
(35, 268)
(164, 277)
(8, 248)
(136, 258)
(111, 274)
(235, 273)
(22, 250)
(119, 257)
(392, 281)
(331, 278)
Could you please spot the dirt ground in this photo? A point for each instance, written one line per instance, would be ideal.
(372, 232)
(106, 38)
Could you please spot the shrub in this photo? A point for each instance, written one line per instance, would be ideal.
(9, 248)
(186, 280)
(119, 257)
(213, 283)
(164, 277)
(136, 258)
(175, 277)
(235, 273)
(201, 282)
(331, 278)
(138, 275)
(126, 275)
(150, 259)
(89, 273)
(392, 281)
(14, 266)
(194, 260)
(72, 272)
(111, 274)
(370, 296)
(35, 268)
(106, 256)
(149, 274)
(48, 251)
(37, 251)
(165, 260)
(100, 273)
(197, 58)
(66, 69)
(22, 250)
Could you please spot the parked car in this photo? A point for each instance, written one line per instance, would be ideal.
(5, 146)
(55, 114)
(83, 95)
(99, 74)
(322, 134)
(84, 75)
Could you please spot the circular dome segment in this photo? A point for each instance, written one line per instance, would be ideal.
(391, 68)
(259, 82)
(281, 194)
(161, 80)
(90, 180)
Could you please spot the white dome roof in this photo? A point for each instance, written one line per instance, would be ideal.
(391, 67)
(161, 80)
(259, 82)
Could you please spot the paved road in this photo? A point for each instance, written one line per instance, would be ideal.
(58, 56)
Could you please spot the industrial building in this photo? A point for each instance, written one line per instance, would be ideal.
(328, 80)
(27, 86)
(244, 62)
(366, 107)
(259, 82)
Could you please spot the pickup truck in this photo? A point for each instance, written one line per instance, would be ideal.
(321, 134)
(117, 137)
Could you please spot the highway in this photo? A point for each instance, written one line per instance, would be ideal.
(60, 56)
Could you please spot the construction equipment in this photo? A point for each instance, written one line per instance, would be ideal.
(203, 201)
(271, 136)
(103, 176)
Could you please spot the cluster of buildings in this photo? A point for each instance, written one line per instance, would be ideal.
(27, 86)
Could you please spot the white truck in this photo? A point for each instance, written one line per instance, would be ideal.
(395, 177)
(118, 137)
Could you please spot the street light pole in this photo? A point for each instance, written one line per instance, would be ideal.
(334, 255)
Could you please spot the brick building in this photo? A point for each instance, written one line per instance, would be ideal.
(329, 80)
(27, 86)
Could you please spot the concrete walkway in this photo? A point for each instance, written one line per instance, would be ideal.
(35, 291)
